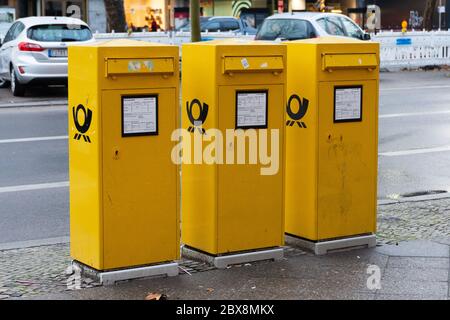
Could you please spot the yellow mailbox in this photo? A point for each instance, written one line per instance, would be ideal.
(233, 101)
(123, 108)
(331, 143)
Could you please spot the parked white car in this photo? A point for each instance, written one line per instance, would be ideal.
(34, 51)
(305, 25)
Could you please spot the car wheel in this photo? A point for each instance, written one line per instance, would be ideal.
(4, 83)
(17, 89)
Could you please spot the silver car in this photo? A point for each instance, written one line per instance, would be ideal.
(305, 25)
(34, 51)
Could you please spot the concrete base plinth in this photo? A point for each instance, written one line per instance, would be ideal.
(225, 260)
(327, 246)
(110, 277)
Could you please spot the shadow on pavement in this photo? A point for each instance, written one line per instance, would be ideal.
(53, 93)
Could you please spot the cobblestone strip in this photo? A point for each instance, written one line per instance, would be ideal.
(40, 270)
(37, 270)
(426, 220)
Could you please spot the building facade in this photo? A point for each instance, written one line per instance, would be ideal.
(169, 14)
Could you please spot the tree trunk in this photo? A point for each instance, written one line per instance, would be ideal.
(430, 7)
(195, 20)
(272, 6)
(115, 15)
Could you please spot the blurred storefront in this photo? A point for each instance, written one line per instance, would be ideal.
(253, 11)
(394, 12)
(169, 14)
(147, 14)
(91, 11)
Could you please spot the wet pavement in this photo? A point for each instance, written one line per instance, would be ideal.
(412, 257)
(414, 140)
(35, 96)
(412, 270)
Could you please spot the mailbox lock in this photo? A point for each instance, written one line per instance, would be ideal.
(116, 154)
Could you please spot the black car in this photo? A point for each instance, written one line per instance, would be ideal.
(222, 24)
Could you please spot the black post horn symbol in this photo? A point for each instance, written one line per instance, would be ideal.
(82, 129)
(197, 122)
(296, 116)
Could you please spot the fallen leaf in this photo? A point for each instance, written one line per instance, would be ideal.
(210, 290)
(156, 296)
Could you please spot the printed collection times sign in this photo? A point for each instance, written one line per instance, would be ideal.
(139, 115)
(251, 109)
(348, 104)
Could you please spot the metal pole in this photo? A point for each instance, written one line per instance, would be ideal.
(195, 21)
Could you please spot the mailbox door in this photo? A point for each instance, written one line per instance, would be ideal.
(347, 179)
(250, 205)
(139, 183)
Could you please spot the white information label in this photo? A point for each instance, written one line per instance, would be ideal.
(251, 109)
(347, 104)
(139, 115)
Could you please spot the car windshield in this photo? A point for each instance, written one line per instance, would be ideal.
(59, 33)
(287, 29)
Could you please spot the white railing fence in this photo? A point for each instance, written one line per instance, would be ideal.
(410, 50)
(176, 38)
(413, 49)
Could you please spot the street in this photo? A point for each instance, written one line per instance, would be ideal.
(43, 212)
(414, 135)
(414, 152)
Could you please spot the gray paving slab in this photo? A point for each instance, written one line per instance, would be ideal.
(398, 274)
(416, 248)
(418, 263)
(419, 288)
(408, 297)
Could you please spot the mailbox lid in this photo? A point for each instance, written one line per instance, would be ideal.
(132, 66)
(252, 64)
(336, 59)
(341, 61)
(241, 62)
(345, 59)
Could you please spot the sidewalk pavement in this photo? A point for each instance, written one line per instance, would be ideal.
(413, 257)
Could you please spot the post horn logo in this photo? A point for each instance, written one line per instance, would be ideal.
(297, 116)
(82, 128)
(200, 119)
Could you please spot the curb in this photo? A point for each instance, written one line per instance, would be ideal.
(383, 202)
(33, 243)
(34, 104)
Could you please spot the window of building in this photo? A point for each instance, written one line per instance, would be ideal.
(72, 8)
(147, 14)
